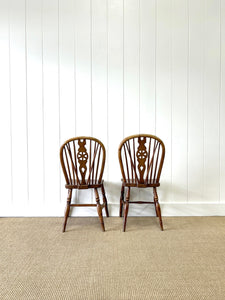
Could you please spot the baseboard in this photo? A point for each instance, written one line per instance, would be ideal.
(193, 209)
(167, 209)
(174, 209)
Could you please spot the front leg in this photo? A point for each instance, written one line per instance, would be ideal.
(157, 207)
(126, 208)
(67, 210)
(99, 209)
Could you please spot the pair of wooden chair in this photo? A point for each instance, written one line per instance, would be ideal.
(141, 159)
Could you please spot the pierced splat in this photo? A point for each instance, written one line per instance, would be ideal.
(141, 157)
(82, 157)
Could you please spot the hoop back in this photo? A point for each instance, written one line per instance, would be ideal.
(141, 159)
(83, 161)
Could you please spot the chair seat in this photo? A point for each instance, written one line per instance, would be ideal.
(145, 184)
(91, 184)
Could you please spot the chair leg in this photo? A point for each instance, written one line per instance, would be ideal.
(67, 210)
(105, 200)
(126, 208)
(121, 200)
(99, 209)
(156, 210)
(157, 207)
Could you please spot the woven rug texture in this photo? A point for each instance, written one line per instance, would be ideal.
(185, 261)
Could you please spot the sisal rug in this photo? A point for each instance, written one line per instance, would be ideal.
(185, 261)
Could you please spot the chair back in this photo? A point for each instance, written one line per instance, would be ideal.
(141, 159)
(82, 160)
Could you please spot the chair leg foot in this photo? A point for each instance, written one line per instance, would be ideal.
(157, 208)
(67, 209)
(126, 208)
(99, 209)
(105, 201)
(159, 214)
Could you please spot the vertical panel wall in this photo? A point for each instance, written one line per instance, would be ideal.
(5, 107)
(115, 84)
(179, 90)
(35, 104)
(222, 101)
(19, 107)
(164, 88)
(196, 135)
(111, 69)
(211, 99)
(51, 101)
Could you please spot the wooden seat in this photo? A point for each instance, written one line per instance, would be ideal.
(87, 185)
(141, 160)
(83, 161)
(146, 183)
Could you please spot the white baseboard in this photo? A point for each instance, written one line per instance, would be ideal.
(193, 209)
(174, 209)
(167, 209)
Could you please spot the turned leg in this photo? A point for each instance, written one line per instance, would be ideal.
(121, 200)
(126, 208)
(105, 201)
(156, 210)
(157, 207)
(99, 209)
(67, 210)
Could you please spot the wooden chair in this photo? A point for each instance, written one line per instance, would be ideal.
(83, 161)
(141, 159)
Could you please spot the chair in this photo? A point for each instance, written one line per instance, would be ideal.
(141, 160)
(83, 161)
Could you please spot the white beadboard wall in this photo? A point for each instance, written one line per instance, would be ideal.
(109, 69)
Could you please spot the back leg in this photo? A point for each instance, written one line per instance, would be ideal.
(105, 200)
(121, 200)
(99, 209)
(157, 207)
(67, 210)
